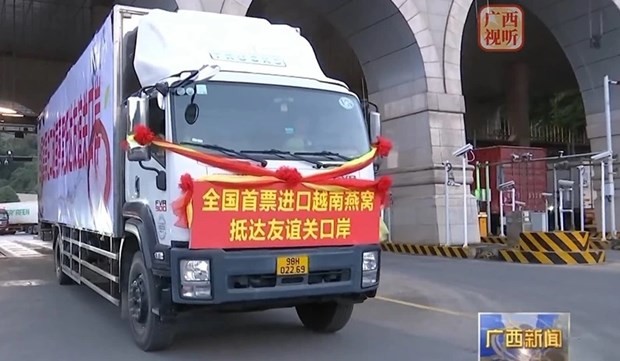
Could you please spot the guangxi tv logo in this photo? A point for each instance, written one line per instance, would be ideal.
(523, 336)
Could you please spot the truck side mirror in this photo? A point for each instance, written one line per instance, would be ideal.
(139, 154)
(374, 122)
(136, 111)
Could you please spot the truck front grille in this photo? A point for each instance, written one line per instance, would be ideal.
(271, 280)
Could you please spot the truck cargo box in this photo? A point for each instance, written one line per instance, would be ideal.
(21, 213)
(530, 177)
(78, 134)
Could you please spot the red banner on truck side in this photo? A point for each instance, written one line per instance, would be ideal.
(280, 216)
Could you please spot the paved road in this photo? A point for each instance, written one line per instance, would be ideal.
(426, 311)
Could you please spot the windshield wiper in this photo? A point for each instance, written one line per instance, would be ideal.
(228, 151)
(326, 153)
(281, 153)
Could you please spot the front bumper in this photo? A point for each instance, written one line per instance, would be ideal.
(250, 275)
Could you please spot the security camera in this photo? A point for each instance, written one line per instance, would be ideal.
(506, 186)
(463, 150)
(515, 157)
(563, 183)
(601, 156)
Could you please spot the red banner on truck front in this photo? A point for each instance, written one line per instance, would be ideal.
(280, 216)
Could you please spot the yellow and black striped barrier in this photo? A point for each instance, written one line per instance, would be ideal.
(426, 250)
(573, 241)
(553, 258)
(493, 239)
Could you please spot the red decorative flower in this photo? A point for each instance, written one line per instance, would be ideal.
(187, 183)
(384, 146)
(384, 184)
(290, 175)
(143, 135)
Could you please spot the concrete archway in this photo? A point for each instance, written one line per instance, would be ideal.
(570, 22)
(398, 48)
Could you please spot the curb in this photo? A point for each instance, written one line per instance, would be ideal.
(427, 250)
(552, 258)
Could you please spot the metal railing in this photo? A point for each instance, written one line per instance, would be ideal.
(539, 133)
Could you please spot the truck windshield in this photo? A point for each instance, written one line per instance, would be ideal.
(258, 118)
(4, 216)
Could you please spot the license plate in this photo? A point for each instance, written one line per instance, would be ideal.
(292, 265)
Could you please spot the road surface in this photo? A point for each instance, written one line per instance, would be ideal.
(427, 310)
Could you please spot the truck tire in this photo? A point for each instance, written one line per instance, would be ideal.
(149, 333)
(61, 277)
(325, 317)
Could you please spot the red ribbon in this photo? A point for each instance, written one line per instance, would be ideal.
(291, 176)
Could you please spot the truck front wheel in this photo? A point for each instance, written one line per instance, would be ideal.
(325, 317)
(149, 332)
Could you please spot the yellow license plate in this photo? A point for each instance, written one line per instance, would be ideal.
(292, 265)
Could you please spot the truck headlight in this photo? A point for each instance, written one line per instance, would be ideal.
(195, 271)
(369, 261)
(370, 267)
(195, 278)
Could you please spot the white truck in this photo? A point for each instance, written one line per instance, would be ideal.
(19, 217)
(223, 85)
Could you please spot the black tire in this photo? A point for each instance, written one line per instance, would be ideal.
(325, 317)
(61, 277)
(149, 333)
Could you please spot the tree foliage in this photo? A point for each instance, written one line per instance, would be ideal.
(20, 177)
(8, 194)
(563, 109)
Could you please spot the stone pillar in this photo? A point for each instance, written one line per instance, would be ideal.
(425, 129)
(517, 102)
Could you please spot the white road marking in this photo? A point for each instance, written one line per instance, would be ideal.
(35, 243)
(22, 283)
(11, 248)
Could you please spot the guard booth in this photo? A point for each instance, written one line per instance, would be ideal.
(501, 165)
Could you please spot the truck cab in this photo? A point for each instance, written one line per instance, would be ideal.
(4, 221)
(270, 116)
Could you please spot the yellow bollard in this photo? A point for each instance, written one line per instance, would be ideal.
(482, 223)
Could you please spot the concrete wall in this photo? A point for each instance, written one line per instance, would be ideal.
(35, 80)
